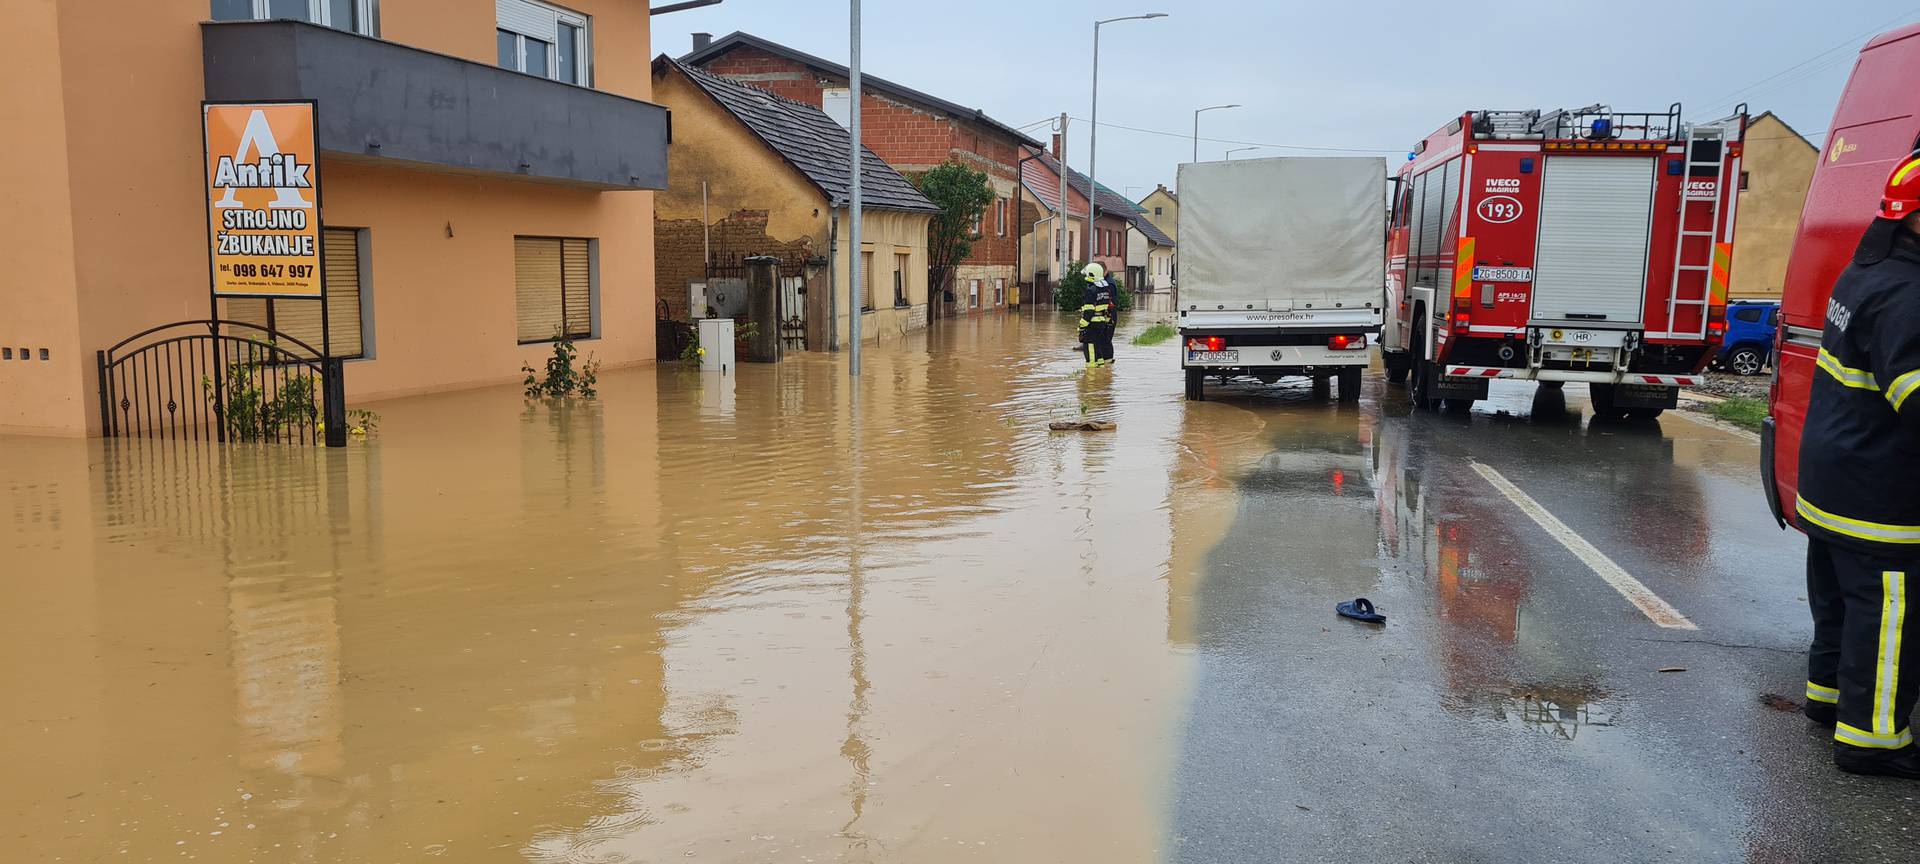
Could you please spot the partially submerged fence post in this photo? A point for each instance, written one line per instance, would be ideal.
(763, 309)
(333, 380)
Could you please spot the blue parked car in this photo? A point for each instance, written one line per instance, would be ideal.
(1749, 342)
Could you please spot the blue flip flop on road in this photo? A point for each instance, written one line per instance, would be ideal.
(1360, 609)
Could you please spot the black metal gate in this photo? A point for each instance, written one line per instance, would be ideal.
(221, 381)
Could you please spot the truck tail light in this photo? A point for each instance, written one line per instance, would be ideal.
(1462, 321)
(1344, 342)
(1206, 343)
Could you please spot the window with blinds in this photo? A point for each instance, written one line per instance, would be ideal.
(300, 319)
(866, 282)
(553, 288)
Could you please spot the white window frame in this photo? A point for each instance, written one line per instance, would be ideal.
(973, 294)
(837, 103)
(1000, 216)
(321, 12)
(583, 38)
(999, 291)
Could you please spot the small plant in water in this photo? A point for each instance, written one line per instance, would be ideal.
(562, 378)
(251, 411)
(1158, 333)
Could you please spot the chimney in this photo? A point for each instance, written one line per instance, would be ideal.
(1056, 145)
(701, 41)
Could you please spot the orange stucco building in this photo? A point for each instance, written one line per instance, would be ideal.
(460, 143)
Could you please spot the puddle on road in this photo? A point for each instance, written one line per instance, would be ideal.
(693, 619)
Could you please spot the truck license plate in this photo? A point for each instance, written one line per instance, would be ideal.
(1212, 358)
(1503, 274)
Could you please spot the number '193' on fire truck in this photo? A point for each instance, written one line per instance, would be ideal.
(1569, 245)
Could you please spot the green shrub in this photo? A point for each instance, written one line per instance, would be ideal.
(562, 379)
(1068, 293)
(1158, 333)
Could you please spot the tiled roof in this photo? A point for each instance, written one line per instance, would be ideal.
(1045, 183)
(1153, 232)
(737, 39)
(810, 141)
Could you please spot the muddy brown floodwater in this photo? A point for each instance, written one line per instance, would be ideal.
(698, 618)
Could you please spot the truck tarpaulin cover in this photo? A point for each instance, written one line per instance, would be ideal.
(1283, 233)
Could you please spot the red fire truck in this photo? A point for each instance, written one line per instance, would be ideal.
(1876, 125)
(1569, 245)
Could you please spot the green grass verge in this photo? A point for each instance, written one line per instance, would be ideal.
(1743, 411)
(1155, 335)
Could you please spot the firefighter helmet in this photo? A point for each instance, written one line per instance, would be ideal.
(1902, 196)
(1093, 271)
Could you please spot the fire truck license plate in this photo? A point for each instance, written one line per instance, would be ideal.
(1208, 358)
(1503, 274)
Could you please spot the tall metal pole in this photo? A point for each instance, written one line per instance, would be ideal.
(1093, 141)
(1196, 126)
(854, 253)
(1093, 128)
(1061, 250)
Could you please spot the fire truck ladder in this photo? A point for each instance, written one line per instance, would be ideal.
(1702, 141)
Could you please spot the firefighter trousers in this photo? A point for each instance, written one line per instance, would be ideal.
(1099, 344)
(1865, 639)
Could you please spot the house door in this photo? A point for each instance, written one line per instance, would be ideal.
(793, 312)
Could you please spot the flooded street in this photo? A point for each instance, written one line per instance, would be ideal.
(789, 617)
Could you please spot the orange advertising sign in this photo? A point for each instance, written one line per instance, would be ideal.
(263, 199)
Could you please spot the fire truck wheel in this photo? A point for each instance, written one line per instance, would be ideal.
(1422, 388)
(1350, 385)
(1601, 395)
(1644, 413)
(1196, 385)
(1550, 385)
(1397, 367)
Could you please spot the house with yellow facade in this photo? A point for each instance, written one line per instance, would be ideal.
(484, 185)
(759, 175)
(1776, 166)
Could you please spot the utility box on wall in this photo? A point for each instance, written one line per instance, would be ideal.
(716, 343)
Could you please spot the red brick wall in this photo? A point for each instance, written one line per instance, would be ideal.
(679, 250)
(907, 137)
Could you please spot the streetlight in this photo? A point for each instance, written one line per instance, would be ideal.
(1196, 127)
(1093, 132)
(1238, 150)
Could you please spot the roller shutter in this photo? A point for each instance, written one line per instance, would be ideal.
(300, 319)
(1595, 215)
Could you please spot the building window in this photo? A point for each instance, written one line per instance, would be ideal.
(1000, 216)
(900, 279)
(1156, 211)
(349, 306)
(1745, 176)
(973, 293)
(353, 16)
(837, 103)
(866, 282)
(542, 40)
(554, 288)
(999, 292)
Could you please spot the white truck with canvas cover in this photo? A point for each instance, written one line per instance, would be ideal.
(1282, 269)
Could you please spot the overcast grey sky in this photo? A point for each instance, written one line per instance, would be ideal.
(1374, 75)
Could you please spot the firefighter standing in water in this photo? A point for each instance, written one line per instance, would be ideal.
(1098, 312)
(1860, 495)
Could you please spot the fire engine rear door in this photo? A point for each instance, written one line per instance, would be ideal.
(1595, 216)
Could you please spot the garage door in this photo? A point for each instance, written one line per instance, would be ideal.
(1595, 213)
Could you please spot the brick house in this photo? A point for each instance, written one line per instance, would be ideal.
(910, 130)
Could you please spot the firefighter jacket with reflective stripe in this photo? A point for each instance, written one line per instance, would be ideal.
(1098, 308)
(1860, 450)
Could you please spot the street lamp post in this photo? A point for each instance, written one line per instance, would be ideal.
(1238, 150)
(1093, 130)
(1196, 127)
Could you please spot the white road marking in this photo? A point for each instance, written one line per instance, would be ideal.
(1657, 610)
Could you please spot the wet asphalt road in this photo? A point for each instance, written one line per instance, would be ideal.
(1514, 707)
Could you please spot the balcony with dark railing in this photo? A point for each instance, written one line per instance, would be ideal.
(389, 103)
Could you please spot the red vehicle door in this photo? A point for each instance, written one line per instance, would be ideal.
(1876, 124)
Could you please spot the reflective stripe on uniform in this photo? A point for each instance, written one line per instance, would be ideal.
(1847, 375)
(1857, 528)
(1902, 387)
(1818, 693)
(1861, 738)
(1886, 678)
